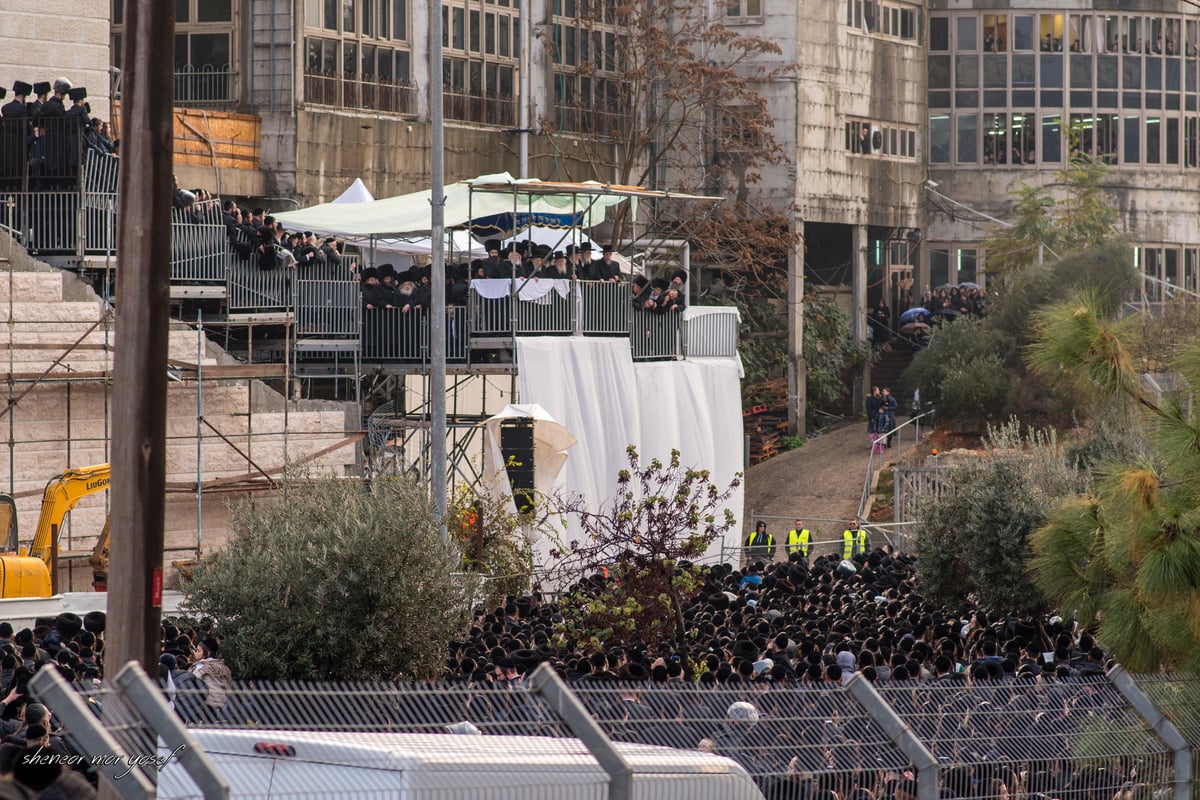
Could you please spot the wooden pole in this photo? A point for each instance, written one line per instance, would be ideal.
(140, 368)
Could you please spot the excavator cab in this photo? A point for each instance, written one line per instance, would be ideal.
(8, 523)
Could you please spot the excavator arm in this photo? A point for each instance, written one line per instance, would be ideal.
(60, 496)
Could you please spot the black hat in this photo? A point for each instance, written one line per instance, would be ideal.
(328, 240)
(541, 251)
(408, 276)
(659, 283)
(68, 625)
(558, 254)
(640, 281)
(41, 87)
(77, 93)
(386, 271)
(680, 274)
(93, 621)
(637, 672)
(370, 272)
(571, 249)
(492, 244)
(307, 234)
(585, 246)
(22, 88)
(608, 248)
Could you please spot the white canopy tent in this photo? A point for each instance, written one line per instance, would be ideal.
(466, 201)
(357, 193)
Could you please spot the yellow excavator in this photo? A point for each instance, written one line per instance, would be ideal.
(26, 572)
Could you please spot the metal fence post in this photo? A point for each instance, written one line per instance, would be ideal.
(572, 712)
(90, 736)
(899, 732)
(1165, 729)
(143, 696)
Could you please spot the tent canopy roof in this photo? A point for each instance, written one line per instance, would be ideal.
(488, 197)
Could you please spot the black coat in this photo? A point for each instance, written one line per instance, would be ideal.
(14, 109)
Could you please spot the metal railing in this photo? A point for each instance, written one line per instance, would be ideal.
(711, 331)
(603, 308)
(328, 309)
(377, 94)
(254, 290)
(654, 336)
(488, 109)
(206, 85)
(200, 253)
(782, 733)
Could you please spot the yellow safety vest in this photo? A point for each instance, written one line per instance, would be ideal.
(798, 541)
(770, 540)
(853, 545)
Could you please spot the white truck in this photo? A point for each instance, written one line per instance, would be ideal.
(278, 765)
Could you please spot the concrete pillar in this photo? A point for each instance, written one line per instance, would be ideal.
(797, 366)
(858, 296)
(858, 310)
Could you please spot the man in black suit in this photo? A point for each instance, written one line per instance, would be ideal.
(17, 107)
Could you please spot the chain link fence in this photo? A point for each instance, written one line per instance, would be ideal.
(954, 738)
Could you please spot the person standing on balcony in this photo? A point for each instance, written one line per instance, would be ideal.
(679, 286)
(606, 269)
(41, 91)
(18, 106)
(493, 265)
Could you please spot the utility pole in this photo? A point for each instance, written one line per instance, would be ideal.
(437, 317)
(140, 366)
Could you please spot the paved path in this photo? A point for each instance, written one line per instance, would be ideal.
(822, 480)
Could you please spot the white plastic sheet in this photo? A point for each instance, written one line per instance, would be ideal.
(535, 290)
(592, 387)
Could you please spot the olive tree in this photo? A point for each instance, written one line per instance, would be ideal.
(337, 579)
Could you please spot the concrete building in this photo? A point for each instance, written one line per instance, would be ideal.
(1016, 89)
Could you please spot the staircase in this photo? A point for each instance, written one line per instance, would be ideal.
(888, 368)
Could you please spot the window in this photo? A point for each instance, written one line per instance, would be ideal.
(589, 94)
(881, 139)
(1052, 139)
(205, 72)
(887, 19)
(744, 10)
(939, 139)
(356, 55)
(939, 34)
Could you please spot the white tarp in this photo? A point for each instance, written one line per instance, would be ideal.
(356, 193)
(409, 214)
(551, 441)
(594, 389)
(536, 290)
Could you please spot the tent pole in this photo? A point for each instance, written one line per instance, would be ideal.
(437, 323)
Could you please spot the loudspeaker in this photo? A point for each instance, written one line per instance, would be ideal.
(516, 445)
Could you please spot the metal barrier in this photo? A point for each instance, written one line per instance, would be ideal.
(978, 736)
(711, 331)
(200, 253)
(490, 316)
(654, 336)
(101, 173)
(46, 220)
(389, 334)
(550, 313)
(251, 289)
(205, 86)
(912, 485)
(604, 308)
(328, 309)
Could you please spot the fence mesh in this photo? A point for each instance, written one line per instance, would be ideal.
(1030, 739)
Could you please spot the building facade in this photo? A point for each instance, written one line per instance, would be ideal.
(1014, 92)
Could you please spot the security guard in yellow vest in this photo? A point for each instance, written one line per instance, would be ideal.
(799, 540)
(760, 545)
(854, 540)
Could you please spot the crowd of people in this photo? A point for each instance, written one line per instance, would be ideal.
(46, 128)
(36, 758)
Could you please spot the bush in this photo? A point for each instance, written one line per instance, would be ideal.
(339, 580)
(975, 538)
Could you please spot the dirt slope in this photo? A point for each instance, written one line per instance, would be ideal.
(821, 483)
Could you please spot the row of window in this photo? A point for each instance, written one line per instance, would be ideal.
(1024, 138)
(493, 33)
(883, 139)
(367, 19)
(1077, 33)
(887, 18)
(1173, 265)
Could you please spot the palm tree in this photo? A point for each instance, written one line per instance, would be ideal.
(1126, 558)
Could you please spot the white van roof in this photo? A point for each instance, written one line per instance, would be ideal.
(422, 764)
